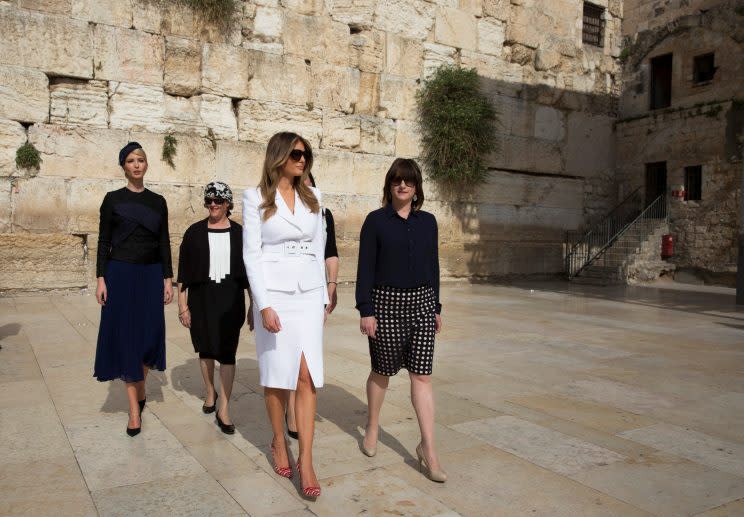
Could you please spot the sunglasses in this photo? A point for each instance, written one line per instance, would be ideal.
(296, 154)
(398, 181)
(217, 201)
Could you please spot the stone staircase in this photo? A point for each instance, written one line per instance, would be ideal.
(635, 256)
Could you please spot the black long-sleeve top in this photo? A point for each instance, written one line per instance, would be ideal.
(330, 247)
(397, 252)
(134, 228)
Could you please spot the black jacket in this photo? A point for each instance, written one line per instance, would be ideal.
(193, 257)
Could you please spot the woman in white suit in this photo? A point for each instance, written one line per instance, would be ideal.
(283, 252)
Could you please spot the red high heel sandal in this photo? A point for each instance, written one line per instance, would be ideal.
(310, 491)
(285, 472)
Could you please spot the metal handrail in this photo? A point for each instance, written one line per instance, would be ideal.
(600, 237)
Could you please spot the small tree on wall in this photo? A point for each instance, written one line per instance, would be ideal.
(458, 126)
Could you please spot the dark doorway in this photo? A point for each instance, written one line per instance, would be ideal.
(656, 181)
(661, 81)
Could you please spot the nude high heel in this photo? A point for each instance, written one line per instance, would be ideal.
(437, 475)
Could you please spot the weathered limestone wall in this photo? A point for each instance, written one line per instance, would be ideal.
(642, 15)
(703, 126)
(78, 78)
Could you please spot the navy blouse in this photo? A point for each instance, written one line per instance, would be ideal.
(396, 252)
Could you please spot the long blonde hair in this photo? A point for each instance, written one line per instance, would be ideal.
(277, 154)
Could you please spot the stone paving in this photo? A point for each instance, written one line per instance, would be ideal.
(552, 399)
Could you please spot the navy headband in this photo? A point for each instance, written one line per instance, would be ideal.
(131, 146)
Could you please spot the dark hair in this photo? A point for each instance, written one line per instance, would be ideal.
(408, 171)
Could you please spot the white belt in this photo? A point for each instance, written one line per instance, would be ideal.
(289, 248)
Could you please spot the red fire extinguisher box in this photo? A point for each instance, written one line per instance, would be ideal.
(667, 246)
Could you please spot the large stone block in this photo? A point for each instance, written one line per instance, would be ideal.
(240, 165)
(546, 59)
(81, 152)
(378, 136)
(369, 174)
(368, 51)
(398, 97)
(50, 44)
(456, 28)
(590, 144)
(12, 136)
(491, 34)
(334, 171)
(357, 13)
(84, 198)
(183, 65)
(218, 115)
(403, 57)
(6, 206)
(24, 94)
(127, 55)
(317, 38)
(435, 56)
(292, 85)
(30, 261)
(49, 6)
(227, 70)
(499, 9)
(108, 12)
(529, 155)
(408, 18)
(341, 131)
(335, 87)
(79, 102)
(310, 7)
(40, 205)
(268, 24)
(259, 120)
(407, 139)
(493, 67)
(369, 94)
(173, 19)
(137, 107)
(183, 114)
(550, 124)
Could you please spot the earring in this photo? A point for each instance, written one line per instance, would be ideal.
(415, 198)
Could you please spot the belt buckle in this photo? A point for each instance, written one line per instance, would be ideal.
(304, 247)
(291, 248)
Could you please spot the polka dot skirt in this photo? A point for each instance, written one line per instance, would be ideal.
(406, 324)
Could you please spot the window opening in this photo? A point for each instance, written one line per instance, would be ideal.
(703, 68)
(693, 183)
(593, 26)
(661, 81)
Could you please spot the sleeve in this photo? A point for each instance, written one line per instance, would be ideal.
(104, 236)
(366, 268)
(330, 245)
(252, 248)
(164, 244)
(435, 265)
(318, 245)
(182, 257)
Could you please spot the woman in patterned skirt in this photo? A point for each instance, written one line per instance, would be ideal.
(397, 295)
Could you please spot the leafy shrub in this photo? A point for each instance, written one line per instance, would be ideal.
(458, 126)
(169, 150)
(28, 157)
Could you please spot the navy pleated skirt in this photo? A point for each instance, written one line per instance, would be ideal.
(132, 330)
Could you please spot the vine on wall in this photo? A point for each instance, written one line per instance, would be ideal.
(458, 126)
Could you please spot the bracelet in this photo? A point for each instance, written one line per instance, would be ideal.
(184, 312)
(332, 282)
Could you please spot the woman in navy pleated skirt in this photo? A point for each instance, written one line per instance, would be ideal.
(135, 275)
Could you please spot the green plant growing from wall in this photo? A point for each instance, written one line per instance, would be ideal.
(458, 126)
(219, 12)
(169, 150)
(28, 157)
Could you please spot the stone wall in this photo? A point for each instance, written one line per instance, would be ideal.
(78, 78)
(643, 15)
(703, 126)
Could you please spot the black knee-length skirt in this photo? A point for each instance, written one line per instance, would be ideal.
(217, 314)
(406, 325)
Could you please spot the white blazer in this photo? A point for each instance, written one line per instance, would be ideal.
(267, 267)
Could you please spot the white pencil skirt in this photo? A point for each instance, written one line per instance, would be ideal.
(301, 318)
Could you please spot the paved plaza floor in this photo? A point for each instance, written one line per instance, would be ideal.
(552, 399)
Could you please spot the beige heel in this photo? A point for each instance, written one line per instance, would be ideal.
(437, 475)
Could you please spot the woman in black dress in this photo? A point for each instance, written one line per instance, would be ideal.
(134, 281)
(397, 295)
(211, 295)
